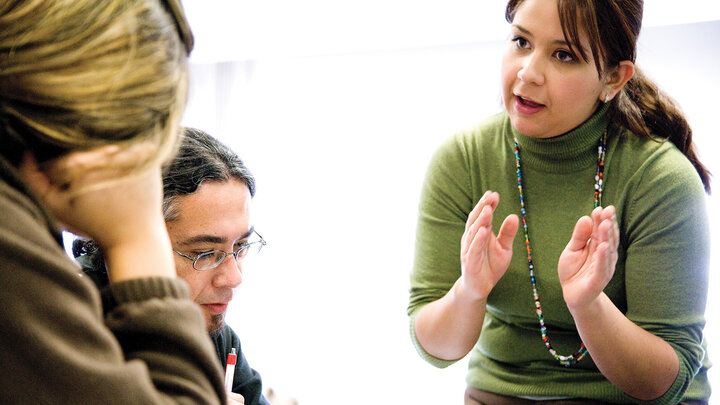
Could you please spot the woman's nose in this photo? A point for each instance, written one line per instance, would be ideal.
(532, 70)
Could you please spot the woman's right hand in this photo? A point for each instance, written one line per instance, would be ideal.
(449, 327)
(88, 193)
(484, 256)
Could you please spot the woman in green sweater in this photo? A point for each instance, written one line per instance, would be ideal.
(564, 242)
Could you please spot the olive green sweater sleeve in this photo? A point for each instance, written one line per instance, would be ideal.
(451, 188)
(446, 200)
(59, 346)
(665, 235)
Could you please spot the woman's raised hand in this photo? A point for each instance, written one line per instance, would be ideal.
(95, 193)
(92, 193)
(588, 262)
(484, 256)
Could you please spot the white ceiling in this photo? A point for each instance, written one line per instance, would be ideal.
(255, 29)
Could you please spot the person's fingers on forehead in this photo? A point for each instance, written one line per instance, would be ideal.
(104, 163)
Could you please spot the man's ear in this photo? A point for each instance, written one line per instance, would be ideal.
(616, 79)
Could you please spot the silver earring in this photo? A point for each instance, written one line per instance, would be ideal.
(607, 97)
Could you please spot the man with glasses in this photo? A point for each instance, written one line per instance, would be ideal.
(207, 196)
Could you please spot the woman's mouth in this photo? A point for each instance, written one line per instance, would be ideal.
(526, 106)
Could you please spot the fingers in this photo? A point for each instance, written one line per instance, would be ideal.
(77, 165)
(600, 227)
(81, 169)
(581, 234)
(484, 258)
(604, 256)
(477, 233)
(507, 232)
(235, 399)
(605, 226)
(480, 217)
(604, 242)
(490, 198)
(608, 238)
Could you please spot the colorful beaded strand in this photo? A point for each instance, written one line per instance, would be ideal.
(578, 355)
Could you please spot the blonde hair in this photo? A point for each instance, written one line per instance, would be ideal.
(78, 74)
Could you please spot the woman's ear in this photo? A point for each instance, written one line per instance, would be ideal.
(616, 79)
(35, 177)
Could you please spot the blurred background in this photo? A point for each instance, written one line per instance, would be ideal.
(336, 107)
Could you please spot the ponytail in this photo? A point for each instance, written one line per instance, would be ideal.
(647, 111)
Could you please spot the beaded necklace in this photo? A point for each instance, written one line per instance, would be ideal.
(578, 355)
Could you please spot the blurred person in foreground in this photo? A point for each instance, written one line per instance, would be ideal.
(91, 94)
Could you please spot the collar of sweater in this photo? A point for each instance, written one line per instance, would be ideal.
(569, 152)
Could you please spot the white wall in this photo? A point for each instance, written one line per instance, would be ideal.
(339, 142)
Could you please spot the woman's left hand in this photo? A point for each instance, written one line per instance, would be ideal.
(588, 262)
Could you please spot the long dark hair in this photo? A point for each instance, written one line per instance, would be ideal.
(200, 158)
(612, 27)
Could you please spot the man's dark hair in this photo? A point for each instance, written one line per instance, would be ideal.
(200, 158)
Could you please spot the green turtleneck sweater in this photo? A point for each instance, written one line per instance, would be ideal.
(660, 280)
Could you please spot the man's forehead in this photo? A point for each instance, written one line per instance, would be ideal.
(193, 239)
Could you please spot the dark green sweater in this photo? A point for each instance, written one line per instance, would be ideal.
(660, 281)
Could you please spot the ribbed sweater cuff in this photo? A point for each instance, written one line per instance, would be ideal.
(141, 289)
(439, 363)
(673, 394)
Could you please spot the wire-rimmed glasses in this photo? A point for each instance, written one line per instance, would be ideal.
(213, 258)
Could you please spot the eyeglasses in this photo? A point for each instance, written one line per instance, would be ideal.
(213, 258)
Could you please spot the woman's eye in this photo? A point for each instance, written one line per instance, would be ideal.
(564, 56)
(521, 42)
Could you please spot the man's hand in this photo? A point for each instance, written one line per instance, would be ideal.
(235, 399)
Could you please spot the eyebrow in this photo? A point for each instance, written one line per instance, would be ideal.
(556, 42)
(212, 238)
